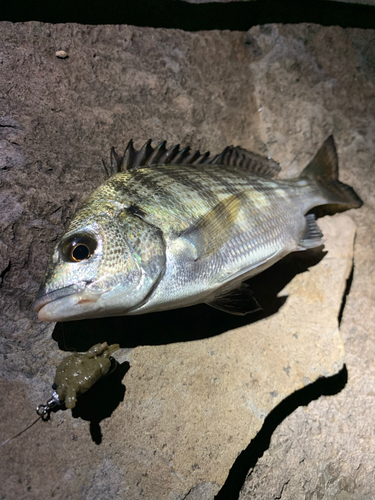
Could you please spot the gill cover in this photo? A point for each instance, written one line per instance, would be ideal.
(104, 267)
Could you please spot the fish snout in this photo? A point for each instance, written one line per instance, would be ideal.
(48, 304)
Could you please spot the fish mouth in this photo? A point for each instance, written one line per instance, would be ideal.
(59, 304)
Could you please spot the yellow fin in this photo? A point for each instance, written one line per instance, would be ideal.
(211, 231)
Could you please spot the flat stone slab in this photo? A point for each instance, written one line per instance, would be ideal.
(185, 402)
(199, 403)
(191, 407)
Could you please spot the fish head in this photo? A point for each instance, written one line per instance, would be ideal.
(102, 266)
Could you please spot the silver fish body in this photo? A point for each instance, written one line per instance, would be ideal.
(172, 232)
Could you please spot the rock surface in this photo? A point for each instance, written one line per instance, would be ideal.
(186, 413)
(327, 450)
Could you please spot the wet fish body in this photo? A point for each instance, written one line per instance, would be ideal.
(172, 229)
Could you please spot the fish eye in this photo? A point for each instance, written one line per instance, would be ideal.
(78, 247)
(80, 252)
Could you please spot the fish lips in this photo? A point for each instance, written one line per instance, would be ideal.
(58, 305)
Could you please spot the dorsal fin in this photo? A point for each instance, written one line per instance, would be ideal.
(247, 160)
(231, 156)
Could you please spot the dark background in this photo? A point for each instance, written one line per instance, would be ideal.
(239, 16)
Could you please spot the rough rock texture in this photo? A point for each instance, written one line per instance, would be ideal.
(279, 90)
(326, 450)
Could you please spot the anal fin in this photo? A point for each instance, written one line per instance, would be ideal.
(239, 301)
(313, 236)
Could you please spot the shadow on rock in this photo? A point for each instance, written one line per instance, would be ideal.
(248, 458)
(101, 400)
(191, 323)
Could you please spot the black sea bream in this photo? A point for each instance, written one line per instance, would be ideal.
(172, 228)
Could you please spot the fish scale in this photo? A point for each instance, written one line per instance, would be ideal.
(186, 231)
(174, 195)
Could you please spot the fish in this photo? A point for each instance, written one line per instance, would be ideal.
(172, 228)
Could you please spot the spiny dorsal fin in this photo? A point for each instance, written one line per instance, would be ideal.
(127, 161)
(230, 156)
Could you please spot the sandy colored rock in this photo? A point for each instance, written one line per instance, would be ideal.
(327, 450)
(198, 390)
(163, 429)
(190, 407)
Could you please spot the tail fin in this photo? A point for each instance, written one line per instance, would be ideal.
(324, 170)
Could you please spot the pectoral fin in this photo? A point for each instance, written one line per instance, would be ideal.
(211, 232)
(239, 301)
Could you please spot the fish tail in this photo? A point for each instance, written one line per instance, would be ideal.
(323, 170)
